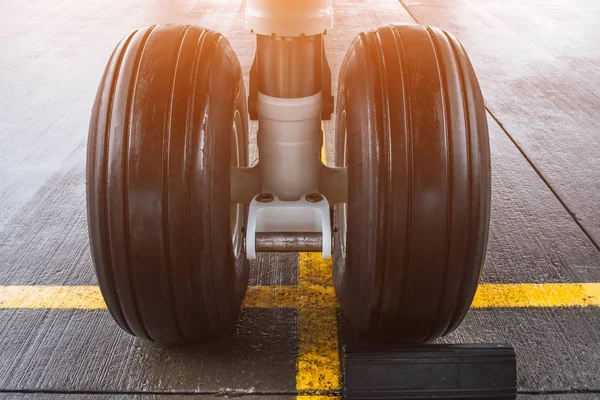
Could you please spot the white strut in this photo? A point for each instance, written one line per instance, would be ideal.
(289, 141)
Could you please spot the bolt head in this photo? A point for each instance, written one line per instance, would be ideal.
(313, 197)
(265, 198)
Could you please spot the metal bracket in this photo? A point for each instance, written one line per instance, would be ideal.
(245, 184)
(333, 184)
(309, 214)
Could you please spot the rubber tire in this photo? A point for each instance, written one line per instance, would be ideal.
(158, 194)
(419, 189)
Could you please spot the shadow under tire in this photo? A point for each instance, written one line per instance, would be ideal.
(169, 120)
(411, 128)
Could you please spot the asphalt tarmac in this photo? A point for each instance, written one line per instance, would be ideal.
(538, 64)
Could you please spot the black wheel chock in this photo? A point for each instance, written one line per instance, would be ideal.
(466, 371)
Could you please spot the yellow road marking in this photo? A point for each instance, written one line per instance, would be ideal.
(318, 360)
(90, 298)
(537, 295)
(314, 296)
(298, 297)
(85, 297)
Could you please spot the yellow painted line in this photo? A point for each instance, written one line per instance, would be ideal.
(82, 297)
(313, 270)
(318, 361)
(537, 295)
(90, 298)
(298, 297)
(311, 295)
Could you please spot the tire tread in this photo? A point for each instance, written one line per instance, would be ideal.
(152, 186)
(413, 275)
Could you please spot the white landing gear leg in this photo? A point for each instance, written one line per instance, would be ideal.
(290, 191)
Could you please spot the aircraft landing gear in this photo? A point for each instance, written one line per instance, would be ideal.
(175, 211)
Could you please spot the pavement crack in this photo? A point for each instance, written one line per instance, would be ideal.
(546, 181)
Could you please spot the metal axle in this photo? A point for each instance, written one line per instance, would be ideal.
(289, 241)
